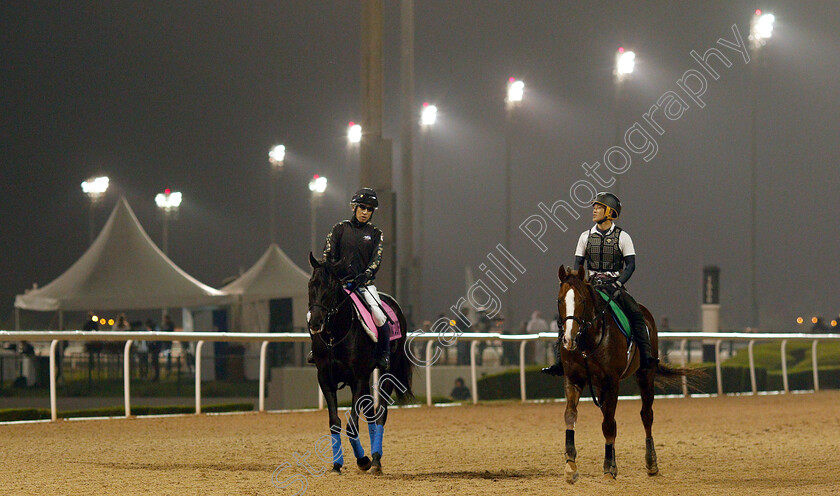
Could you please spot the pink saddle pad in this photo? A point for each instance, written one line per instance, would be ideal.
(396, 332)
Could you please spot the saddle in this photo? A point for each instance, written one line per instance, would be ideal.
(366, 317)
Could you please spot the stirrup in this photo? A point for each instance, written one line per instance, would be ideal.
(310, 358)
(383, 363)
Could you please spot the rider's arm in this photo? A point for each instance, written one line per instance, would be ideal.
(629, 267)
(330, 247)
(580, 250)
(376, 259)
(628, 251)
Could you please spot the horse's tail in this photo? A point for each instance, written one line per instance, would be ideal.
(401, 367)
(668, 376)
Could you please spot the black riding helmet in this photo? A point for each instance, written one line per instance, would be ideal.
(611, 202)
(365, 196)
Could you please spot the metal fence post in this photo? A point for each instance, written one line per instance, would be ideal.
(718, 372)
(814, 364)
(684, 358)
(198, 348)
(263, 349)
(473, 380)
(784, 365)
(522, 369)
(53, 410)
(127, 377)
(429, 372)
(752, 367)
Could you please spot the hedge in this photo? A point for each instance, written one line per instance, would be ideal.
(16, 414)
(505, 385)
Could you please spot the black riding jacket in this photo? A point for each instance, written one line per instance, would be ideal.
(358, 245)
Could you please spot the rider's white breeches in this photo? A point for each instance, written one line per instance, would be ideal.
(373, 301)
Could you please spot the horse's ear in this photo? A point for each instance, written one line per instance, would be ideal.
(313, 262)
(561, 272)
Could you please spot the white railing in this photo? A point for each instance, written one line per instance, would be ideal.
(200, 337)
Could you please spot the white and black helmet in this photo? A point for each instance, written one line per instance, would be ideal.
(365, 196)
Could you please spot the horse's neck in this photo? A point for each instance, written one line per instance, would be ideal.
(596, 304)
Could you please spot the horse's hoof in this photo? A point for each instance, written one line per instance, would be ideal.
(653, 470)
(609, 476)
(363, 463)
(375, 464)
(571, 472)
(336, 470)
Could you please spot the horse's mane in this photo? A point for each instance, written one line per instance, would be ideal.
(584, 287)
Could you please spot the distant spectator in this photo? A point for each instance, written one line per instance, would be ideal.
(554, 327)
(92, 347)
(154, 350)
(460, 392)
(510, 349)
(167, 326)
(819, 327)
(122, 324)
(536, 325)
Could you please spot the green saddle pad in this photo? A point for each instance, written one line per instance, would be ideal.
(618, 314)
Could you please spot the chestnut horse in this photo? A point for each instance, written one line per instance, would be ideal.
(594, 351)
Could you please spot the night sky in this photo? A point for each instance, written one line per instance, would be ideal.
(191, 95)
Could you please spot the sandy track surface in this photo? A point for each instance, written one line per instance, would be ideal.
(787, 444)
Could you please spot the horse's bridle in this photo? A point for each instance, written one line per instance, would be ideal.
(582, 324)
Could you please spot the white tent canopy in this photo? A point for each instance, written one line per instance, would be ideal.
(122, 270)
(273, 276)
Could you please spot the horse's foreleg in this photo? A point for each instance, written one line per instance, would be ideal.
(359, 400)
(572, 398)
(645, 381)
(609, 392)
(335, 427)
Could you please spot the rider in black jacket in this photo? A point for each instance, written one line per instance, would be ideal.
(358, 244)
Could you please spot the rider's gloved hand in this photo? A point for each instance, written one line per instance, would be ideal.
(614, 289)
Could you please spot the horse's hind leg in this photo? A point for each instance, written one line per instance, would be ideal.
(609, 393)
(645, 380)
(572, 398)
(376, 427)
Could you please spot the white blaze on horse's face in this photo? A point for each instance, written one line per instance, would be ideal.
(569, 300)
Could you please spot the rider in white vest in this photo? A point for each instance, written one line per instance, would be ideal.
(610, 258)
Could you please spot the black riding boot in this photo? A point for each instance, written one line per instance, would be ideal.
(640, 335)
(382, 355)
(557, 368)
(310, 358)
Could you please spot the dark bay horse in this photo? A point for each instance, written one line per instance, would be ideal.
(594, 352)
(344, 355)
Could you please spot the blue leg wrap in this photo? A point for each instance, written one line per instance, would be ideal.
(338, 456)
(372, 433)
(376, 445)
(358, 451)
